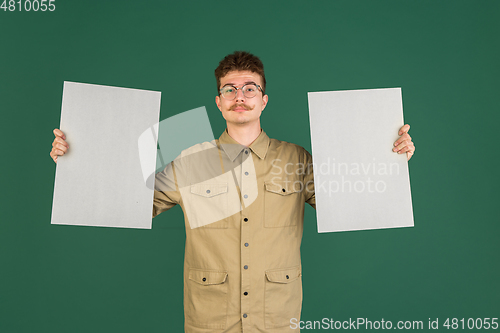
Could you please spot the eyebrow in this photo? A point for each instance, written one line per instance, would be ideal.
(232, 84)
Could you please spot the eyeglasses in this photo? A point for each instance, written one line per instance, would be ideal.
(249, 91)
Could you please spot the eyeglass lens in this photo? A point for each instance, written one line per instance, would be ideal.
(249, 91)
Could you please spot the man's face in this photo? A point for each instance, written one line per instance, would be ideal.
(241, 110)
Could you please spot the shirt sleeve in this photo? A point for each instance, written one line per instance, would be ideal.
(166, 191)
(309, 180)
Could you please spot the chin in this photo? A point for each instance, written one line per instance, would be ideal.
(239, 121)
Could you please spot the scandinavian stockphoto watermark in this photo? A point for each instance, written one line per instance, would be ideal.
(382, 324)
(359, 177)
(28, 5)
(354, 324)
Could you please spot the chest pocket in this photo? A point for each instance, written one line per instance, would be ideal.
(207, 205)
(283, 203)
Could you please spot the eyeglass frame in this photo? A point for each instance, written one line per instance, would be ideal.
(246, 84)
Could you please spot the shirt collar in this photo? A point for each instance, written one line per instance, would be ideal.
(233, 148)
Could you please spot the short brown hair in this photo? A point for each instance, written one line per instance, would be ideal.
(240, 61)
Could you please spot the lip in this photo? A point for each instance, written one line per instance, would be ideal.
(240, 109)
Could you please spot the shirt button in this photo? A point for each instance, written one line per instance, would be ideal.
(245, 219)
(245, 196)
(246, 151)
(287, 277)
(246, 244)
(283, 190)
(246, 173)
(208, 191)
(245, 293)
(245, 315)
(245, 267)
(204, 279)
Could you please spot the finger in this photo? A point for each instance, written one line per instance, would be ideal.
(411, 147)
(403, 137)
(53, 156)
(409, 154)
(404, 129)
(61, 147)
(59, 133)
(406, 148)
(59, 140)
(401, 145)
(58, 152)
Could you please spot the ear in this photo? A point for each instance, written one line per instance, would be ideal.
(217, 101)
(264, 102)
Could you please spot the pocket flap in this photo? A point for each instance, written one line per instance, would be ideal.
(207, 277)
(281, 187)
(283, 275)
(209, 190)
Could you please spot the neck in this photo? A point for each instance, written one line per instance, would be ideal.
(244, 134)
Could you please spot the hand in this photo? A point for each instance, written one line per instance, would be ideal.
(59, 146)
(404, 143)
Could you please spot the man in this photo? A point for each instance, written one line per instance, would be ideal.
(243, 211)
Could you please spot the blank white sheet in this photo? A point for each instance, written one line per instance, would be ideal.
(360, 183)
(99, 181)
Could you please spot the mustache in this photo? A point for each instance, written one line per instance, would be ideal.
(240, 105)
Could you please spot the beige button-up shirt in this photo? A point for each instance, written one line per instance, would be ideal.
(244, 214)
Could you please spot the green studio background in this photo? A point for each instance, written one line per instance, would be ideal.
(444, 55)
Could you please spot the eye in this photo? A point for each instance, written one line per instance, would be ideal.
(228, 90)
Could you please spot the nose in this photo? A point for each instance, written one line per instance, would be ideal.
(239, 96)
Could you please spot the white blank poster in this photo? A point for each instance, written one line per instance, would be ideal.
(360, 183)
(99, 181)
